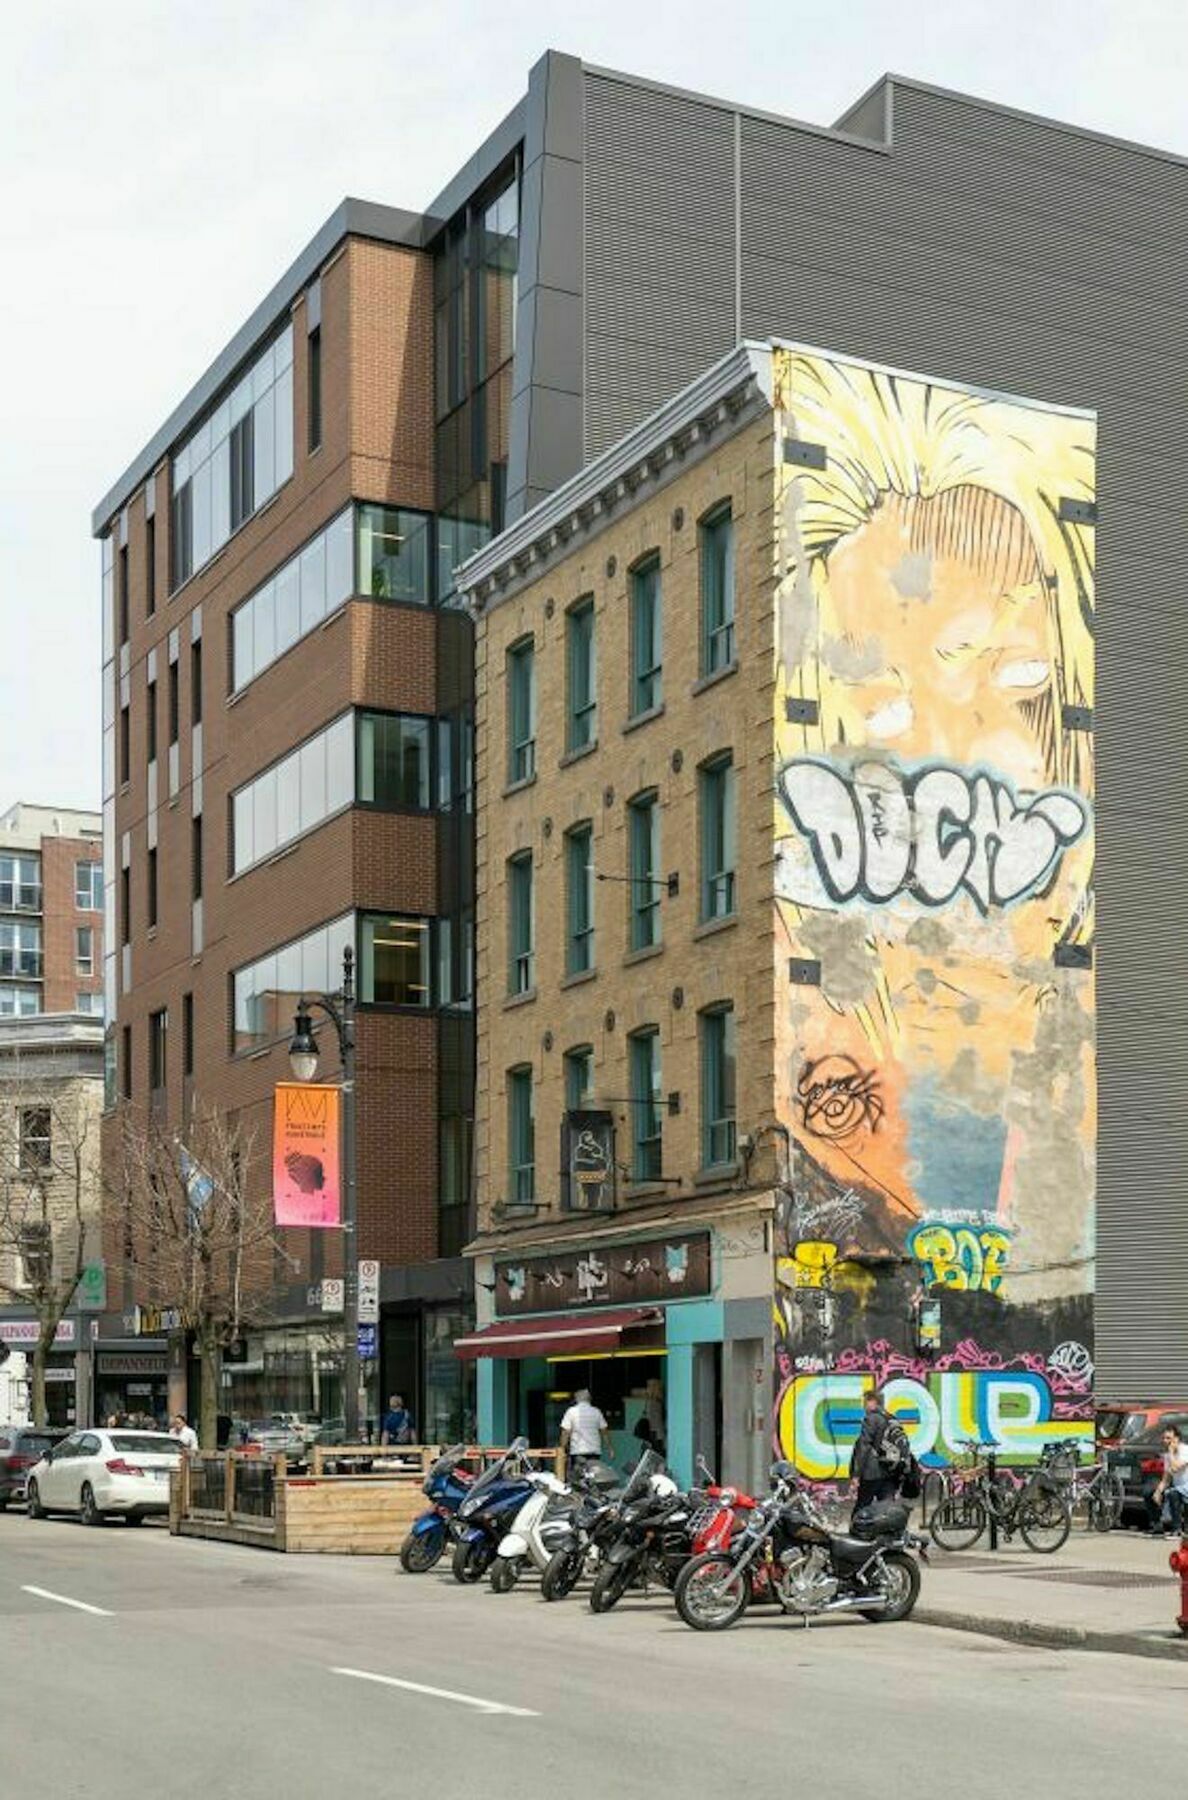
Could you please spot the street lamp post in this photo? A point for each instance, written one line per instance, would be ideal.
(303, 1060)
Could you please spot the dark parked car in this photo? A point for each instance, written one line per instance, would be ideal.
(20, 1447)
(1138, 1457)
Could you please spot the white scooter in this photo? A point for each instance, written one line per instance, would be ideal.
(540, 1526)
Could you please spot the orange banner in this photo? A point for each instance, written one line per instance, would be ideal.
(306, 1186)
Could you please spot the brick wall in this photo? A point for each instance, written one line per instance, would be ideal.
(377, 444)
(695, 966)
(63, 981)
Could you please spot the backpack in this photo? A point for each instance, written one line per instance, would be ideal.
(911, 1482)
(893, 1450)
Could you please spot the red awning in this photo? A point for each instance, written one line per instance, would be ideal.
(557, 1333)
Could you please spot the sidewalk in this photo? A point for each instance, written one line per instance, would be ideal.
(1100, 1592)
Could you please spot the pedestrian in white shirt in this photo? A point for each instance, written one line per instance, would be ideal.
(582, 1429)
(1171, 1494)
(186, 1436)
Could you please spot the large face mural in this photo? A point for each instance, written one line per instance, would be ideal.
(934, 856)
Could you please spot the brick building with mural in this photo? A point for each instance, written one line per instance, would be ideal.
(785, 829)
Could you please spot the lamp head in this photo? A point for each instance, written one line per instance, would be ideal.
(303, 1050)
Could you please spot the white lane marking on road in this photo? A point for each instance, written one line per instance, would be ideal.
(100, 1612)
(436, 1693)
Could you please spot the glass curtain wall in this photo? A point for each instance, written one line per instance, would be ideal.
(475, 286)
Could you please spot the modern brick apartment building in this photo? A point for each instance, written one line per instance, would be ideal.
(601, 249)
(51, 911)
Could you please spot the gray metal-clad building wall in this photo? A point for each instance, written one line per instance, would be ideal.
(991, 248)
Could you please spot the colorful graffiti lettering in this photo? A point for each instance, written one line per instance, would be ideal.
(879, 832)
(818, 1417)
(819, 1265)
(969, 1258)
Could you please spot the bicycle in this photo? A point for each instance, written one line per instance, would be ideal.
(984, 1494)
(1095, 1495)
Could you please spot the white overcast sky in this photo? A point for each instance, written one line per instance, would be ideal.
(162, 163)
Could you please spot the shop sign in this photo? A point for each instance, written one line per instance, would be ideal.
(152, 1321)
(60, 1377)
(305, 1181)
(369, 1290)
(112, 1363)
(638, 1274)
(587, 1161)
(27, 1331)
(92, 1288)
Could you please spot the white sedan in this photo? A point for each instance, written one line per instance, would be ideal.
(97, 1473)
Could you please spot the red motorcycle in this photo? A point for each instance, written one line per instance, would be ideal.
(721, 1519)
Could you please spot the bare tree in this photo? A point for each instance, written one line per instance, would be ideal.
(50, 1195)
(200, 1231)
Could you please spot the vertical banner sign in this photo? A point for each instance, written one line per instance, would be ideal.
(306, 1188)
(369, 1286)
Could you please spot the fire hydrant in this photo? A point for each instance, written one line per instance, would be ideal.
(1178, 1563)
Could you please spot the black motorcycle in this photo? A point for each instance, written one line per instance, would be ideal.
(788, 1553)
(650, 1541)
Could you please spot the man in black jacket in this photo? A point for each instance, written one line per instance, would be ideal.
(874, 1480)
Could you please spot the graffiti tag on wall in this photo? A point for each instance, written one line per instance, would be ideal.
(877, 832)
(963, 1257)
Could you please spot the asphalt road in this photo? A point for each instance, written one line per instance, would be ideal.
(217, 1672)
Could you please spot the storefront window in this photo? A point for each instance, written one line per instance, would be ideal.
(449, 1381)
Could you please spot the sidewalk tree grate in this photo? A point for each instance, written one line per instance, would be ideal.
(1101, 1578)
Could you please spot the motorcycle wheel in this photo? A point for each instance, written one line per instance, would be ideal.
(562, 1574)
(610, 1584)
(1044, 1522)
(504, 1574)
(470, 1562)
(421, 1551)
(958, 1522)
(901, 1586)
(711, 1594)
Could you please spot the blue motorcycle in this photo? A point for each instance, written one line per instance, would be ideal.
(485, 1515)
(445, 1487)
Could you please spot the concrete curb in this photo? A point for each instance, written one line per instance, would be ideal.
(1172, 1648)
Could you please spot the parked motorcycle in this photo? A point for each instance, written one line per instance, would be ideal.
(787, 1548)
(589, 1529)
(539, 1528)
(446, 1486)
(652, 1542)
(494, 1499)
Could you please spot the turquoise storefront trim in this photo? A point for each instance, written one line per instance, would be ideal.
(694, 1322)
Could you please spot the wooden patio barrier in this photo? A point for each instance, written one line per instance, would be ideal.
(364, 1509)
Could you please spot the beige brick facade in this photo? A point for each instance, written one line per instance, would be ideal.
(695, 966)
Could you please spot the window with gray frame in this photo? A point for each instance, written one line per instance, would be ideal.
(521, 711)
(521, 924)
(234, 461)
(36, 1137)
(716, 533)
(717, 1087)
(646, 1141)
(294, 795)
(158, 1036)
(265, 993)
(395, 561)
(20, 883)
(18, 1002)
(20, 949)
(292, 602)
(395, 752)
(579, 899)
(646, 638)
(579, 1077)
(84, 950)
(581, 677)
(88, 885)
(521, 1137)
(645, 888)
(395, 960)
(716, 781)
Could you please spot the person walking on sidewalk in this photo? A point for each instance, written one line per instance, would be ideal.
(582, 1430)
(1169, 1502)
(881, 1453)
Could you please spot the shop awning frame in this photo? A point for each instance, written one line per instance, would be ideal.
(556, 1332)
